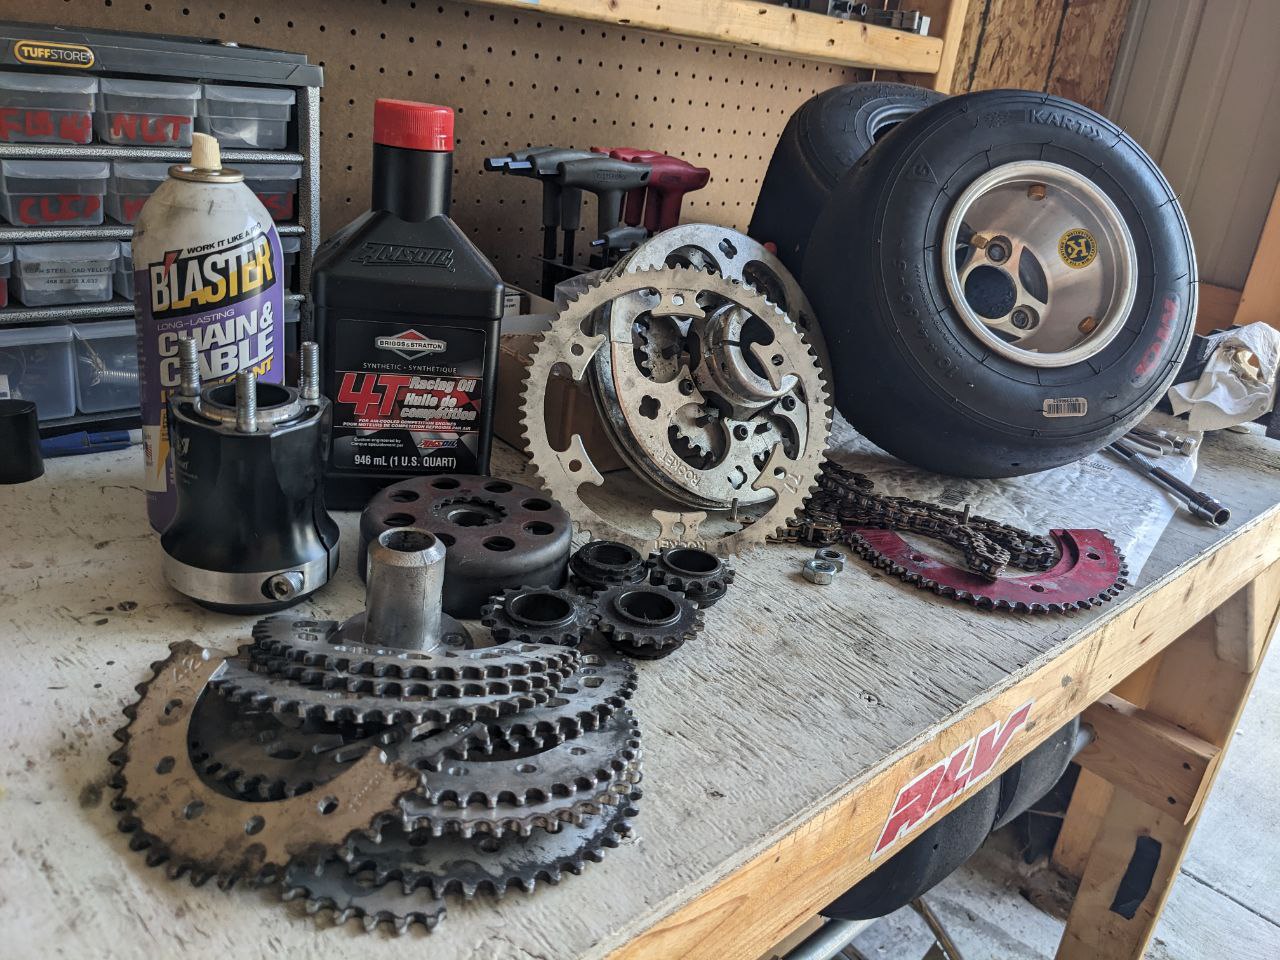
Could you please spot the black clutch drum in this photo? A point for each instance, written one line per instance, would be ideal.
(497, 534)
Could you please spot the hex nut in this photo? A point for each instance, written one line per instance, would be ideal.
(819, 571)
(831, 556)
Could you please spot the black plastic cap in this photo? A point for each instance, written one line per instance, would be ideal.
(20, 458)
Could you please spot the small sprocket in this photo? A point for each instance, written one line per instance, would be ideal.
(645, 620)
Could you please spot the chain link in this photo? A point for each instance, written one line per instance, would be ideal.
(844, 501)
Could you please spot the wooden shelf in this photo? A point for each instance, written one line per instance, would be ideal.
(756, 26)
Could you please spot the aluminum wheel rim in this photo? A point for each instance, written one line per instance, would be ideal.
(1039, 263)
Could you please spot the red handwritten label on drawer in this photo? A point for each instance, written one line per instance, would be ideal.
(45, 125)
(58, 209)
(148, 127)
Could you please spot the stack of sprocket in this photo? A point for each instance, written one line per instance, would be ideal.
(373, 782)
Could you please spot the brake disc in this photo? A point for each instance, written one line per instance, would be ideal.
(572, 344)
(183, 822)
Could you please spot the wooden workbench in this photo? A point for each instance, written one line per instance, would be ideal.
(775, 745)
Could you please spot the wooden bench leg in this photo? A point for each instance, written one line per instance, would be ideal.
(1200, 684)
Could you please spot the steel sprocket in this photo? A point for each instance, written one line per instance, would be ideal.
(401, 881)
(318, 644)
(240, 682)
(568, 344)
(646, 620)
(192, 828)
(538, 615)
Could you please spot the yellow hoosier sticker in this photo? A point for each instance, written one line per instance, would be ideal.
(1077, 248)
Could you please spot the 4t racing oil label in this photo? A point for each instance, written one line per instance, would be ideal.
(227, 295)
(406, 397)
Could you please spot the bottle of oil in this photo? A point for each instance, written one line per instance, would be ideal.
(407, 312)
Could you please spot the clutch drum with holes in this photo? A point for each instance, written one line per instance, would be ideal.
(497, 534)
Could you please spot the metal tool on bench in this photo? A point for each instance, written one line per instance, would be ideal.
(250, 533)
(609, 180)
(619, 240)
(1201, 505)
(542, 163)
(657, 206)
(633, 206)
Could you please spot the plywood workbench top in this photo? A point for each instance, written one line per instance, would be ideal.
(795, 697)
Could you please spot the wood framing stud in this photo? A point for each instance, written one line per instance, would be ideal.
(1246, 622)
(1151, 758)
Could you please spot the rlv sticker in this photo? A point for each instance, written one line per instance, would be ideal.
(957, 774)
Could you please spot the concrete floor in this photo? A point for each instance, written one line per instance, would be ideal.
(1226, 902)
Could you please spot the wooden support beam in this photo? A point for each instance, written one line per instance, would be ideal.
(794, 33)
(1245, 623)
(946, 21)
(1149, 757)
(1135, 856)
(1092, 794)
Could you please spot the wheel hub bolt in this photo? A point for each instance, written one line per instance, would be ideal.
(686, 387)
(996, 252)
(1021, 319)
(740, 432)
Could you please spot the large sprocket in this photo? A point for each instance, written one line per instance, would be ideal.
(573, 344)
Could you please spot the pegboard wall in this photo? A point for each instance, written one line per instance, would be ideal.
(515, 79)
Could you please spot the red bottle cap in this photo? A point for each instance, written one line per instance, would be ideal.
(414, 126)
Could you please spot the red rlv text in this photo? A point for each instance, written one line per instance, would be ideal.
(68, 206)
(71, 127)
(968, 763)
(147, 127)
(372, 394)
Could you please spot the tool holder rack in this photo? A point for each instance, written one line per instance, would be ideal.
(160, 58)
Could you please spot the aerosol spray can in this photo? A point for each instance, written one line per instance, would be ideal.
(208, 264)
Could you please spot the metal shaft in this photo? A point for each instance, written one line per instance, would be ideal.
(404, 589)
(829, 940)
(1200, 504)
(247, 401)
(188, 367)
(310, 362)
